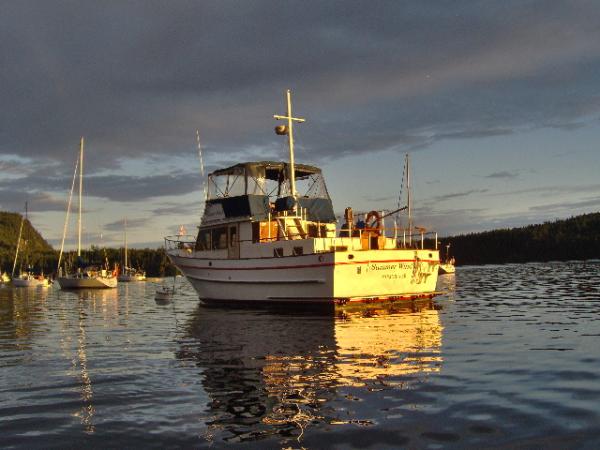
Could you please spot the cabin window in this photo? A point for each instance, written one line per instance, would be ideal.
(203, 241)
(297, 251)
(219, 238)
(278, 252)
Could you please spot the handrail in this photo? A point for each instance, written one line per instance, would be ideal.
(188, 242)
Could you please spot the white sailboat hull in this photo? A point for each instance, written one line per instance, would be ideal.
(325, 278)
(129, 278)
(30, 282)
(87, 283)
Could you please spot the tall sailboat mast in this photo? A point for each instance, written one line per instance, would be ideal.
(18, 243)
(126, 244)
(289, 130)
(80, 196)
(408, 201)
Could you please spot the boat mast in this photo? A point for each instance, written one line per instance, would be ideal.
(62, 244)
(25, 246)
(408, 199)
(290, 132)
(125, 243)
(80, 196)
(18, 243)
(202, 177)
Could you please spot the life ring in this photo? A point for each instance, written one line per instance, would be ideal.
(373, 216)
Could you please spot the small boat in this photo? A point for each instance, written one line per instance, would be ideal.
(129, 274)
(447, 266)
(26, 278)
(84, 277)
(164, 294)
(269, 235)
(91, 277)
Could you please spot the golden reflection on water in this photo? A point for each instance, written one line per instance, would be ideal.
(381, 344)
(277, 373)
(89, 303)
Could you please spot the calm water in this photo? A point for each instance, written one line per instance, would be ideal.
(510, 357)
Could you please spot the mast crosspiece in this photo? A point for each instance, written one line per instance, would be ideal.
(290, 132)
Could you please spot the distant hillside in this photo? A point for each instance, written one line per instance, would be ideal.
(574, 238)
(36, 250)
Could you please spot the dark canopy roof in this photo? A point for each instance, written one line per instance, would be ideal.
(267, 169)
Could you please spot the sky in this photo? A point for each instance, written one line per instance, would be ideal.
(498, 104)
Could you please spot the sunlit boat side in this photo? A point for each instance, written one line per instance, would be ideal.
(268, 234)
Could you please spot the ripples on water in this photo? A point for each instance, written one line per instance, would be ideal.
(508, 357)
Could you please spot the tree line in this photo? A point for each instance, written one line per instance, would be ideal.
(37, 254)
(576, 238)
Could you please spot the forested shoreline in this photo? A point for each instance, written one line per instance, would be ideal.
(576, 238)
(37, 253)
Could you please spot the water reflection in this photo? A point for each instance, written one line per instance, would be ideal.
(270, 373)
(22, 312)
(89, 305)
(377, 345)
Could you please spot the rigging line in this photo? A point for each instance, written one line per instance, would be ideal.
(17, 252)
(401, 189)
(202, 176)
(62, 244)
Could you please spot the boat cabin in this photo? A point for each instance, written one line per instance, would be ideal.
(251, 203)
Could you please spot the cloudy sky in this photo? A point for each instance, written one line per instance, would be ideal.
(498, 103)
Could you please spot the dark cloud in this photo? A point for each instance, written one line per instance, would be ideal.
(126, 189)
(132, 224)
(442, 198)
(546, 191)
(111, 187)
(504, 174)
(14, 200)
(568, 206)
(138, 78)
(176, 210)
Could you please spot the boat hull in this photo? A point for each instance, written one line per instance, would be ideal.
(130, 278)
(87, 283)
(324, 278)
(33, 282)
(447, 268)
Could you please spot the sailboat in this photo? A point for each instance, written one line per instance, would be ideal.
(26, 278)
(269, 235)
(90, 277)
(129, 273)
